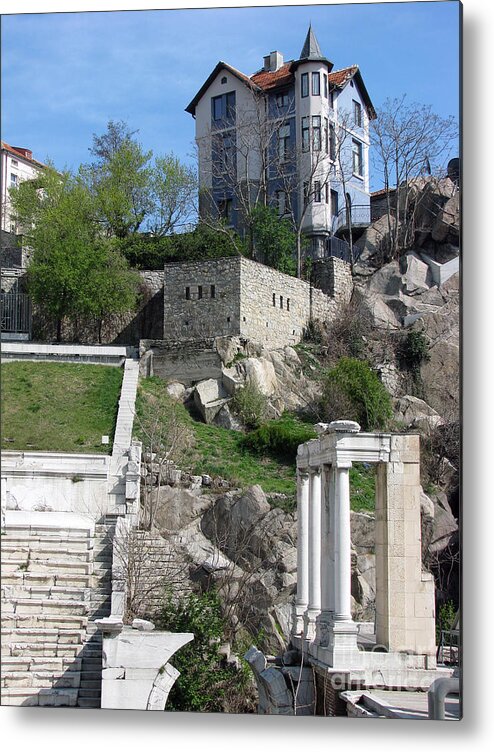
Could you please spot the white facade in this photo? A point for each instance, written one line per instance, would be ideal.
(303, 108)
(17, 165)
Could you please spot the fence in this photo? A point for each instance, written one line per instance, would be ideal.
(15, 313)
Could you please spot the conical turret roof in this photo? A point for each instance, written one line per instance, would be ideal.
(311, 49)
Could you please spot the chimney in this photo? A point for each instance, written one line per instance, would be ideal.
(273, 61)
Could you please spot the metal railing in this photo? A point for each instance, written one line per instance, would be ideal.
(360, 214)
(15, 313)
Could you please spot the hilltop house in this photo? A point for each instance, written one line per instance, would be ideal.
(295, 135)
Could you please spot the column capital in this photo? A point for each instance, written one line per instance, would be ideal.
(315, 470)
(342, 464)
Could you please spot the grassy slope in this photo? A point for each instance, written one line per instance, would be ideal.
(58, 406)
(219, 452)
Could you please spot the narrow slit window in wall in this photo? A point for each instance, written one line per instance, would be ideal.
(199, 292)
(274, 299)
(213, 291)
(288, 304)
(281, 301)
(187, 293)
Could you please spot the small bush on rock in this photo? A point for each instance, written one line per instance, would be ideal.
(279, 437)
(352, 391)
(250, 405)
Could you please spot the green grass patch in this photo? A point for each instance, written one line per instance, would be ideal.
(59, 407)
(363, 487)
(265, 457)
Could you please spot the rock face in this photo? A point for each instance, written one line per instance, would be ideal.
(415, 413)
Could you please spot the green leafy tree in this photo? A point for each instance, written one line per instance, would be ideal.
(274, 239)
(352, 391)
(74, 271)
(173, 187)
(119, 180)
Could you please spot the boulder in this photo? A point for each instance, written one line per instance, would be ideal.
(416, 274)
(227, 348)
(374, 309)
(176, 390)
(209, 398)
(225, 419)
(414, 413)
(387, 280)
(260, 372)
(447, 224)
(176, 508)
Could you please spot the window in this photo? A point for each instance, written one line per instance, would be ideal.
(187, 293)
(225, 209)
(304, 80)
(281, 202)
(317, 192)
(14, 162)
(357, 165)
(325, 79)
(288, 304)
(331, 98)
(326, 193)
(306, 194)
(213, 292)
(14, 180)
(305, 134)
(223, 106)
(282, 99)
(357, 114)
(199, 292)
(332, 142)
(274, 299)
(217, 106)
(326, 135)
(334, 203)
(316, 84)
(316, 132)
(281, 301)
(223, 80)
(284, 143)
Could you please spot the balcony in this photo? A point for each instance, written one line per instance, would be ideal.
(360, 218)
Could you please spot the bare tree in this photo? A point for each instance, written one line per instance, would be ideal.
(409, 141)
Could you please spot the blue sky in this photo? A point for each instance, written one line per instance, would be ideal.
(64, 75)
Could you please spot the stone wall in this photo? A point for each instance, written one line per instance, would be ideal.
(237, 296)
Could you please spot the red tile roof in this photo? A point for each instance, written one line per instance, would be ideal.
(340, 77)
(20, 155)
(270, 79)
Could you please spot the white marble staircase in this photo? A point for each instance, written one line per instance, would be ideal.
(56, 578)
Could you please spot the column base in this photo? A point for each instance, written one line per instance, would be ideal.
(341, 650)
(310, 624)
(324, 623)
(298, 619)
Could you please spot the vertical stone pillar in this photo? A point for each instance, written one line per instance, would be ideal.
(343, 648)
(302, 598)
(342, 542)
(327, 556)
(314, 607)
(405, 619)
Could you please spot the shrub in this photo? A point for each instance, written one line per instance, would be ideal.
(352, 391)
(279, 437)
(250, 405)
(412, 351)
(204, 685)
(345, 336)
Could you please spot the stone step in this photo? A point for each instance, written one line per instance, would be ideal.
(93, 675)
(46, 592)
(45, 542)
(22, 578)
(45, 679)
(41, 650)
(91, 684)
(62, 553)
(46, 531)
(45, 697)
(37, 663)
(63, 623)
(89, 702)
(42, 565)
(87, 693)
(30, 606)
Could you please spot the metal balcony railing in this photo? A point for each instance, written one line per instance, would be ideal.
(359, 215)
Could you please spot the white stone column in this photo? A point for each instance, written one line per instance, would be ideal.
(314, 608)
(327, 561)
(342, 544)
(302, 598)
